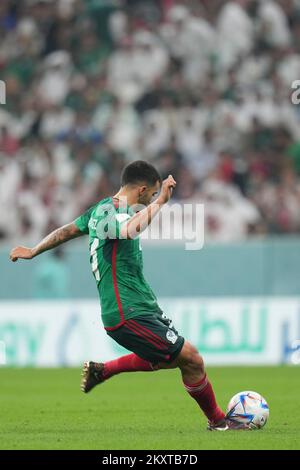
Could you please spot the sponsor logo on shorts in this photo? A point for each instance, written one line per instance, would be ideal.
(171, 336)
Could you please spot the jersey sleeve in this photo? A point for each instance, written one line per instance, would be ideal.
(107, 220)
(82, 222)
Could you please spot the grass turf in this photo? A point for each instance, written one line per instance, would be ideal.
(44, 409)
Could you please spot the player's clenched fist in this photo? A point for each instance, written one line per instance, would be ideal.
(20, 252)
(166, 190)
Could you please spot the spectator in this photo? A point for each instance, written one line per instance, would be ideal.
(201, 89)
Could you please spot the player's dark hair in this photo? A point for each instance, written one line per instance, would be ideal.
(140, 172)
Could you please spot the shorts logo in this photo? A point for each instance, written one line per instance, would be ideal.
(171, 336)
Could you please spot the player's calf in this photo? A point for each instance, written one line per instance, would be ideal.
(191, 364)
(95, 373)
(198, 386)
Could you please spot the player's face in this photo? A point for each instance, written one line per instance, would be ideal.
(148, 193)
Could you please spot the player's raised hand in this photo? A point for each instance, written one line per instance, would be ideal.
(20, 252)
(166, 190)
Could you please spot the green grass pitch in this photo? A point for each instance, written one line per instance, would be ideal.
(45, 409)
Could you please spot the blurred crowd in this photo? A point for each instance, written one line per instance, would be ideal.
(203, 89)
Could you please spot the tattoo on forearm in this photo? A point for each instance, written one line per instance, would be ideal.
(57, 237)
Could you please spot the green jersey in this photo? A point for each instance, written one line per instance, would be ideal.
(117, 264)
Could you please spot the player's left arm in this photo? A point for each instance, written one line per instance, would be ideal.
(141, 220)
(55, 238)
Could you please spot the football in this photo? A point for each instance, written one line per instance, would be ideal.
(248, 408)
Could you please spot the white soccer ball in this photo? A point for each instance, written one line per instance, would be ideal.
(248, 408)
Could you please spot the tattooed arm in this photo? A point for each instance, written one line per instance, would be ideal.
(55, 238)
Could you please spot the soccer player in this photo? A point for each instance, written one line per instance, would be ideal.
(129, 308)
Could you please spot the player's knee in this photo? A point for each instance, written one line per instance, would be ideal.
(197, 362)
(192, 360)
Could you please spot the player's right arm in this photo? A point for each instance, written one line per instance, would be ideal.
(55, 238)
